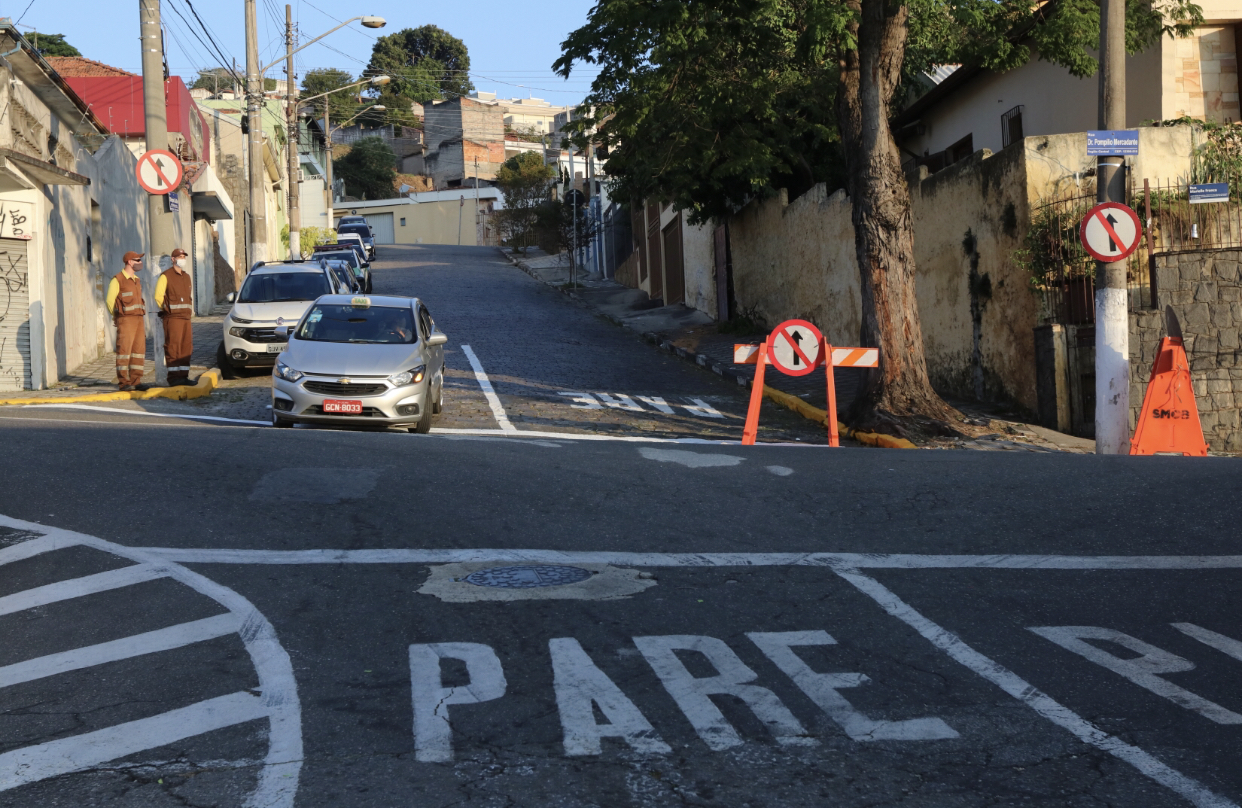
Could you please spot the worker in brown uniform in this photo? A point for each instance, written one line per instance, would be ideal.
(125, 303)
(172, 295)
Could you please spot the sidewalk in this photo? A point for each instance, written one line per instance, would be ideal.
(99, 375)
(694, 336)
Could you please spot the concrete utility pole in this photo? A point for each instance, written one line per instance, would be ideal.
(254, 100)
(295, 186)
(476, 200)
(159, 220)
(1112, 326)
(460, 210)
(327, 142)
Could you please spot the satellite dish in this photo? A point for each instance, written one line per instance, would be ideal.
(404, 189)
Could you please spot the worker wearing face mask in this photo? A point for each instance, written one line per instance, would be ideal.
(172, 295)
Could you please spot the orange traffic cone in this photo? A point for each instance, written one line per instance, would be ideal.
(1169, 421)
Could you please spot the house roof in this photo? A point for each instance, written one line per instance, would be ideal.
(81, 67)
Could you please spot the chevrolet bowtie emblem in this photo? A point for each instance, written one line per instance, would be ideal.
(343, 381)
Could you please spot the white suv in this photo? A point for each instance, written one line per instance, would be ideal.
(273, 295)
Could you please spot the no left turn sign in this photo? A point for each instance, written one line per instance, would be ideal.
(1110, 232)
(159, 171)
(796, 347)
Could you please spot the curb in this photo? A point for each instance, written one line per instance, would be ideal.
(206, 384)
(704, 361)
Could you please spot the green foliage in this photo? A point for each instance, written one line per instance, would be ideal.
(424, 63)
(309, 237)
(368, 170)
(524, 181)
(341, 105)
(1217, 157)
(53, 45)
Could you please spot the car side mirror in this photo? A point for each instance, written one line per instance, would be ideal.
(282, 331)
(230, 297)
(438, 338)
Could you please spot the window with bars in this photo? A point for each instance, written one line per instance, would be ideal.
(1011, 126)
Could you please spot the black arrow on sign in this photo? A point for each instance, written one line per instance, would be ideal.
(1112, 245)
(797, 338)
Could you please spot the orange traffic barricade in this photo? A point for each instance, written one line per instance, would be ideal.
(1169, 422)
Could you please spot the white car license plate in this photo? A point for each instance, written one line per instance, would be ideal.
(342, 407)
(277, 348)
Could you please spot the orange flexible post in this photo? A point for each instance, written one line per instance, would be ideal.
(751, 429)
(834, 439)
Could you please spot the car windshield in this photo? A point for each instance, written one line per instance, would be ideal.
(358, 229)
(380, 325)
(348, 256)
(279, 287)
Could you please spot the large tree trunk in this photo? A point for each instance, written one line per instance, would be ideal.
(896, 396)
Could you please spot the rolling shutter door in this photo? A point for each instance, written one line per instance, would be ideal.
(381, 226)
(14, 316)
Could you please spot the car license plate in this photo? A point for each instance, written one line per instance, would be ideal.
(342, 407)
(277, 348)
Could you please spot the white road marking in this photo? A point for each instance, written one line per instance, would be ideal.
(703, 410)
(619, 402)
(1041, 703)
(433, 735)
(693, 460)
(693, 693)
(523, 433)
(1226, 645)
(780, 471)
(656, 403)
(151, 642)
(116, 411)
(278, 779)
(1142, 670)
(580, 687)
(489, 392)
(75, 753)
(900, 561)
(822, 688)
(80, 587)
(584, 401)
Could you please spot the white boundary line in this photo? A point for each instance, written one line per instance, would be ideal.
(278, 779)
(114, 411)
(493, 400)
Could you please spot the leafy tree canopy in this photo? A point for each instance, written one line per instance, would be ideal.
(425, 63)
(54, 45)
(341, 105)
(368, 170)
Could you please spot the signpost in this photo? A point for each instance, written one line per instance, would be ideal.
(1112, 143)
(1209, 192)
(1110, 232)
(159, 172)
(796, 347)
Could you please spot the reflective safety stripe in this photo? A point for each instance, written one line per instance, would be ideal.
(180, 306)
(127, 294)
(183, 368)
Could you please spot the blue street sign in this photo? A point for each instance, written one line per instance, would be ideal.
(174, 202)
(1112, 143)
(1209, 192)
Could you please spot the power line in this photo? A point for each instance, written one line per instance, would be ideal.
(225, 61)
(19, 19)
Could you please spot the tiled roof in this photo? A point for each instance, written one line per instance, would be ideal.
(81, 67)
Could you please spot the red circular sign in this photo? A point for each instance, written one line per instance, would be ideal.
(796, 347)
(159, 171)
(1110, 232)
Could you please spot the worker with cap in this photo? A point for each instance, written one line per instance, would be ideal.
(172, 295)
(128, 311)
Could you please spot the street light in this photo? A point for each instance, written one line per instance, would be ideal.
(254, 98)
(377, 81)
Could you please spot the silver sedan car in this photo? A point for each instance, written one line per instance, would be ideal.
(361, 361)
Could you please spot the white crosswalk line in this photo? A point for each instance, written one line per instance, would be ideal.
(33, 763)
(34, 547)
(151, 642)
(78, 587)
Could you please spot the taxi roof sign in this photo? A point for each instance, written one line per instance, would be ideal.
(360, 302)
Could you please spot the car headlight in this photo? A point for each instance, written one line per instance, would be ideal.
(413, 376)
(287, 373)
(237, 332)
(237, 319)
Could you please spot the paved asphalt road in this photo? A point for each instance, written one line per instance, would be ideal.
(200, 614)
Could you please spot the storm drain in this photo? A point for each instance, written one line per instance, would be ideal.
(527, 576)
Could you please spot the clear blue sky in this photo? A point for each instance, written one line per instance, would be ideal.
(512, 44)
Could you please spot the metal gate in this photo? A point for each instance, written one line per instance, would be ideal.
(381, 227)
(14, 315)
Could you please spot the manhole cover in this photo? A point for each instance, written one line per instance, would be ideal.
(527, 577)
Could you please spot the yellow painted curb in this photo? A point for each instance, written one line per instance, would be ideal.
(821, 416)
(206, 383)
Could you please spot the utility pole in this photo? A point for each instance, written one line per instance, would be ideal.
(159, 220)
(327, 142)
(1112, 326)
(476, 200)
(460, 208)
(254, 100)
(295, 186)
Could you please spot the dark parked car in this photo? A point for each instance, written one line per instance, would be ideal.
(363, 231)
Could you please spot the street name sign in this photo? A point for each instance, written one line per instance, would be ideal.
(1110, 232)
(159, 172)
(1112, 143)
(1209, 192)
(796, 347)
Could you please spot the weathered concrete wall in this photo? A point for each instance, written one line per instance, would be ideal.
(797, 260)
(1204, 289)
(698, 258)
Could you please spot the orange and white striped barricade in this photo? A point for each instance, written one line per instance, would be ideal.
(796, 348)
